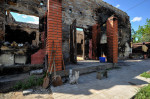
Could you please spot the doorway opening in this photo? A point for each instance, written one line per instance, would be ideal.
(80, 44)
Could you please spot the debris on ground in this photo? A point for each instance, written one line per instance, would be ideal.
(28, 91)
(36, 72)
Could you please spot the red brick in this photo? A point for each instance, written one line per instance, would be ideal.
(54, 19)
(112, 40)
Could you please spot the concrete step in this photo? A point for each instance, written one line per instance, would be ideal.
(85, 67)
(17, 69)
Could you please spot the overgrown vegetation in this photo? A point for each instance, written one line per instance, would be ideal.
(30, 82)
(145, 74)
(144, 93)
(142, 34)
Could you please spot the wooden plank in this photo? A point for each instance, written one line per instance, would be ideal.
(75, 41)
(73, 44)
(83, 45)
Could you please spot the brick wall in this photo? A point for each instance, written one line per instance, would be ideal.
(95, 40)
(54, 31)
(38, 57)
(43, 39)
(112, 39)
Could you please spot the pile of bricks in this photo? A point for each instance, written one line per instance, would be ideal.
(38, 57)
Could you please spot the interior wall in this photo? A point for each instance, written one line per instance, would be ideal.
(20, 35)
(80, 43)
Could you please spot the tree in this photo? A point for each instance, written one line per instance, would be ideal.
(143, 33)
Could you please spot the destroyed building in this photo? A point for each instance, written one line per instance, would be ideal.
(88, 29)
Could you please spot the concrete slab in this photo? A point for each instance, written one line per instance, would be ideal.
(7, 59)
(86, 66)
(116, 86)
(20, 59)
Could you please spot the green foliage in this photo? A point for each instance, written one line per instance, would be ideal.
(18, 85)
(142, 34)
(144, 93)
(30, 82)
(145, 74)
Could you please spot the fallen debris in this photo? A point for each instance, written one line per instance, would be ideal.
(36, 72)
(101, 74)
(26, 92)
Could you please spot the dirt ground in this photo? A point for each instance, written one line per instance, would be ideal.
(39, 93)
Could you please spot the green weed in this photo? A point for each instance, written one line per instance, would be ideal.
(145, 74)
(30, 82)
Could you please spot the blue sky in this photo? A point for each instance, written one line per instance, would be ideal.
(25, 18)
(138, 10)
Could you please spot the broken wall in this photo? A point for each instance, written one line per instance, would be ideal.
(13, 28)
(124, 40)
(88, 15)
(82, 11)
(25, 31)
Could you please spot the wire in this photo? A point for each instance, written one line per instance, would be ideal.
(137, 5)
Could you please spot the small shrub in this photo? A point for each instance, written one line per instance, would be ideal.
(39, 81)
(30, 82)
(145, 74)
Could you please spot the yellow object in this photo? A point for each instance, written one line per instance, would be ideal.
(14, 44)
(144, 48)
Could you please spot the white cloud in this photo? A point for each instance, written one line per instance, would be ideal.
(35, 18)
(136, 19)
(18, 14)
(24, 16)
(33, 22)
(117, 6)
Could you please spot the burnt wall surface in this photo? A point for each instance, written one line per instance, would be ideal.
(88, 15)
(21, 32)
(2, 21)
(29, 7)
(82, 11)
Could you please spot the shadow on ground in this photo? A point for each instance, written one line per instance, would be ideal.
(126, 76)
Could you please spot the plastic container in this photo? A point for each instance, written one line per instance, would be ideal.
(102, 59)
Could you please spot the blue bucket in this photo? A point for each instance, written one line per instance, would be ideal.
(102, 59)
